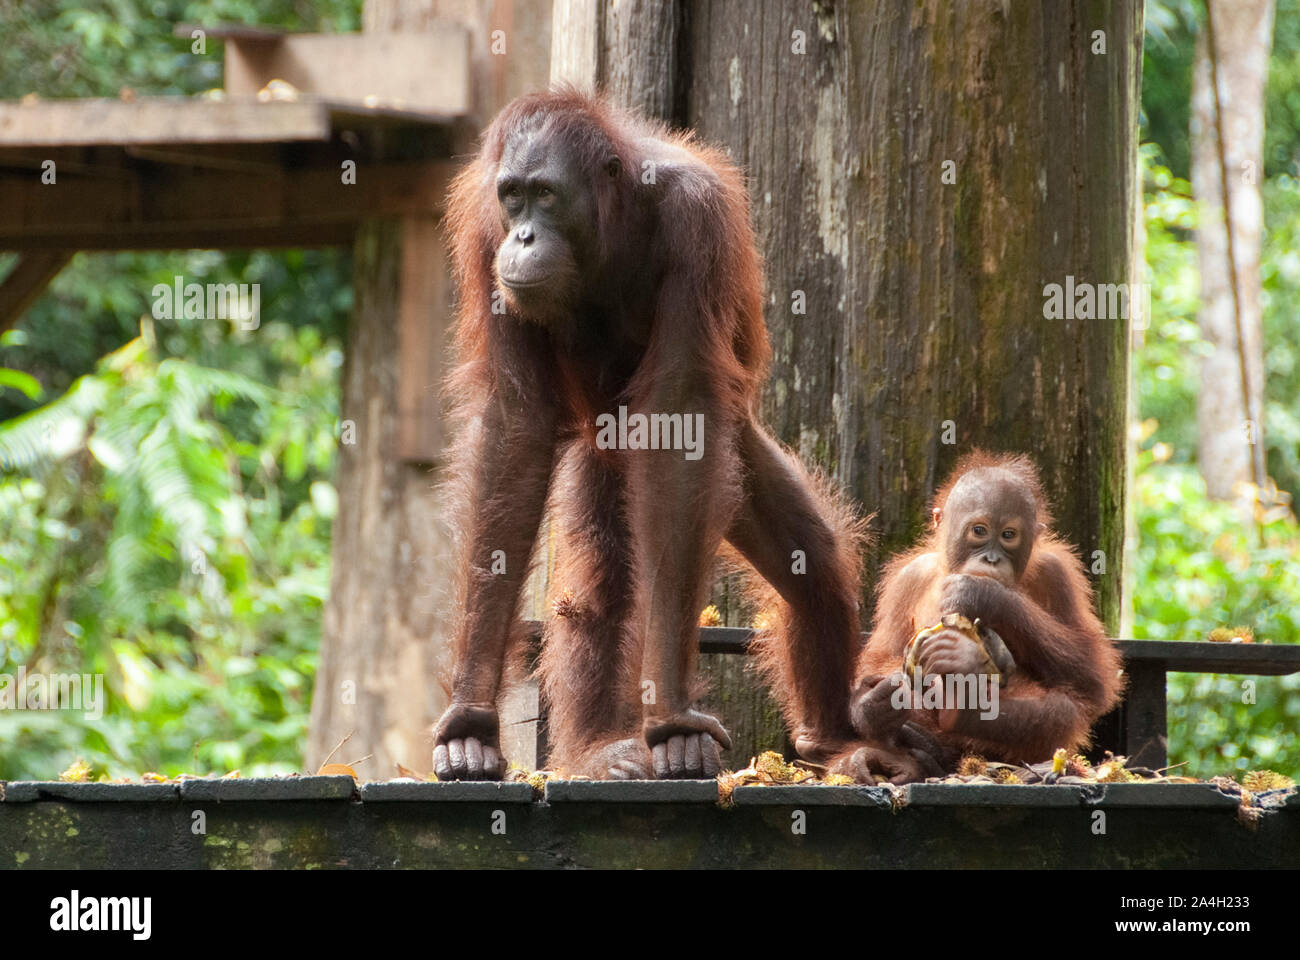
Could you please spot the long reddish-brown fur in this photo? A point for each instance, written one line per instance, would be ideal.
(1064, 660)
(761, 499)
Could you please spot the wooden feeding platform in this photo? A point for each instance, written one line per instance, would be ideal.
(260, 163)
(333, 822)
(192, 173)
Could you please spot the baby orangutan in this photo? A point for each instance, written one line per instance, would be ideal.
(1000, 601)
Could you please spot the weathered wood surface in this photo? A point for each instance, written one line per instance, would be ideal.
(924, 299)
(159, 120)
(138, 205)
(635, 825)
(424, 70)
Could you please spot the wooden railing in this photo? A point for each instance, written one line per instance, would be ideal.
(1137, 728)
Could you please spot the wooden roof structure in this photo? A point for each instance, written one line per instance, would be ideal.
(260, 164)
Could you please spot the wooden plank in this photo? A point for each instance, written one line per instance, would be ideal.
(205, 237)
(261, 159)
(1202, 656)
(1144, 714)
(26, 281)
(182, 207)
(160, 120)
(576, 43)
(1254, 659)
(423, 333)
(226, 31)
(419, 70)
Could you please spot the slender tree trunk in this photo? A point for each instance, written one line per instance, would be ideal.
(1229, 412)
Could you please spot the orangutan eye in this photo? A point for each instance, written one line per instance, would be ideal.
(979, 530)
(1008, 534)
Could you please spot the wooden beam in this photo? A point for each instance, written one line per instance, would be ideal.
(168, 207)
(26, 281)
(212, 156)
(226, 31)
(46, 123)
(426, 71)
(206, 237)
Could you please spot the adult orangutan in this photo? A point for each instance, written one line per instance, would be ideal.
(608, 275)
(993, 559)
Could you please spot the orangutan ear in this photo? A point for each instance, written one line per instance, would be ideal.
(936, 515)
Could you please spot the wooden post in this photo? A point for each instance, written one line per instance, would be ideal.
(26, 281)
(384, 667)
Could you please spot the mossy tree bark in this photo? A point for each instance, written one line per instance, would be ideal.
(920, 173)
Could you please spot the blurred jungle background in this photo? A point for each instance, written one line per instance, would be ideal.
(131, 445)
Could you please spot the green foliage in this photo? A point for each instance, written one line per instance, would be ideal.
(1168, 361)
(1280, 280)
(1282, 97)
(143, 540)
(1199, 567)
(84, 48)
(1198, 564)
(1168, 57)
(165, 521)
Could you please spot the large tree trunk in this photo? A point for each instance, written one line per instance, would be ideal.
(920, 174)
(387, 623)
(1230, 403)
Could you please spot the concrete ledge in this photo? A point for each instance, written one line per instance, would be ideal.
(27, 791)
(812, 796)
(270, 788)
(632, 791)
(992, 795)
(465, 791)
(1162, 795)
